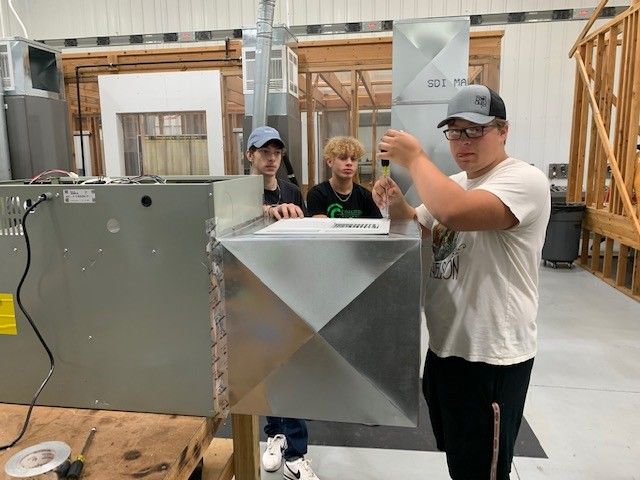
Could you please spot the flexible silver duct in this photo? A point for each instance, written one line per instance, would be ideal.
(264, 28)
(5, 163)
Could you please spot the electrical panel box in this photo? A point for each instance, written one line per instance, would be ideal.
(558, 170)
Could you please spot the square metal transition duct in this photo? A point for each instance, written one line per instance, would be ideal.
(324, 328)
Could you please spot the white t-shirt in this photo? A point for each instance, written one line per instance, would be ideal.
(482, 287)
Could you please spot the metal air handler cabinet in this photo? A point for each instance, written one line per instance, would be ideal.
(159, 297)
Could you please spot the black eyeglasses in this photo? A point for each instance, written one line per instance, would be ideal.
(470, 132)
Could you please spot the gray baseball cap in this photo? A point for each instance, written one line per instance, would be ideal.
(475, 103)
(262, 135)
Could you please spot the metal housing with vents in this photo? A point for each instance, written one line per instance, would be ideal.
(120, 286)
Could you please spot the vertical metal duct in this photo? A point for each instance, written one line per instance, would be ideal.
(430, 65)
(263, 55)
(5, 161)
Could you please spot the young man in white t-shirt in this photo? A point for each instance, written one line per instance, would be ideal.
(488, 225)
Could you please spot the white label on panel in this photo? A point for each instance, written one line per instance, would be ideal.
(79, 196)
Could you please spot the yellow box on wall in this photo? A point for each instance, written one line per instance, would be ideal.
(7, 315)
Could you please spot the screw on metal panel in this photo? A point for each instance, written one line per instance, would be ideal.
(99, 250)
(90, 337)
(66, 250)
(210, 194)
(154, 251)
(15, 250)
(83, 269)
(57, 194)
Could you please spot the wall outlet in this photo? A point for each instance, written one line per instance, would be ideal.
(558, 170)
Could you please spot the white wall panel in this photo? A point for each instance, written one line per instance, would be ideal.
(49, 19)
(160, 92)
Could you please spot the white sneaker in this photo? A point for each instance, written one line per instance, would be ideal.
(272, 456)
(299, 469)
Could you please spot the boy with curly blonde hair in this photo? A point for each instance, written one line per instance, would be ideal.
(340, 196)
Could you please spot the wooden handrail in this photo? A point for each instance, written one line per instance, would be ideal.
(606, 143)
(587, 27)
(612, 23)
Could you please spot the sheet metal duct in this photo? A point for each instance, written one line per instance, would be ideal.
(324, 328)
(264, 27)
(5, 162)
(283, 110)
(37, 114)
(430, 65)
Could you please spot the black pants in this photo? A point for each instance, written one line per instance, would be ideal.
(460, 394)
(294, 430)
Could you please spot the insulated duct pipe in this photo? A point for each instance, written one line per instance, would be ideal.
(5, 160)
(264, 27)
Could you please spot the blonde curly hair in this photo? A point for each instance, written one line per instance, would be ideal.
(343, 147)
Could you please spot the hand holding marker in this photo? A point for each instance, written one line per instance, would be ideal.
(386, 171)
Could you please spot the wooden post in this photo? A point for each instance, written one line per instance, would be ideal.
(634, 110)
(635, 278)
(587, 27)
(355, 113)
(608, 258)
(621, 271)
(227, 129)
(246, 449)
(311, 132)
(374, 144)
(636, 181)
(584, 252)
(621, 115)
(96, 150)
(595, 253)
(355, 106)
(595, 146)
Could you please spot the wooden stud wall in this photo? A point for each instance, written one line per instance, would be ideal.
(605, 144)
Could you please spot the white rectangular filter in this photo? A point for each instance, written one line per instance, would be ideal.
(328, 226)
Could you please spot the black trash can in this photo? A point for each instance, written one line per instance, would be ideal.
(562, 242)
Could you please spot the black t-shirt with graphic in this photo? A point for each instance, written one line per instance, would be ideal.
(286, 192)
(322, 200)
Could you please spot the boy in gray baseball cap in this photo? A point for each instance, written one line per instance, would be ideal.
(475, 103)
(488, 225)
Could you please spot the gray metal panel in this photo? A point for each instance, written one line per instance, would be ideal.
(5, 162)
(430, 64)
(276, 103)
(327, 328)
(38, 131)
(127, 313)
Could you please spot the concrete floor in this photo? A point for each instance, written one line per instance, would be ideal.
(583, 403)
